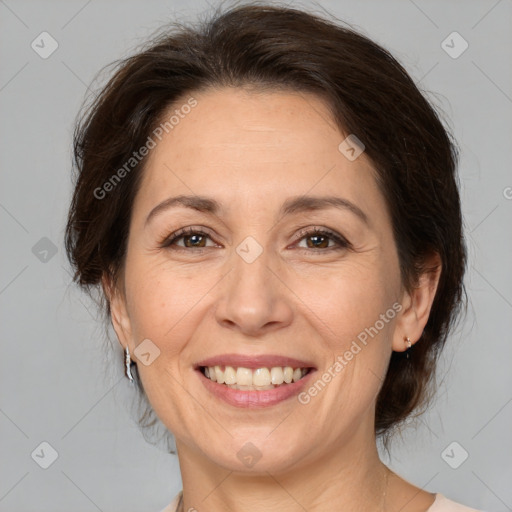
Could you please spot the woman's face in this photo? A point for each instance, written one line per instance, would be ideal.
(255, 281)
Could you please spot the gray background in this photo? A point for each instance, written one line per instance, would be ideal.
(58, 386)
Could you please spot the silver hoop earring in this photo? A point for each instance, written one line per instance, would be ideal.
(127, 364)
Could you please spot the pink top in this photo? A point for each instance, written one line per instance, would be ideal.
(441, 504)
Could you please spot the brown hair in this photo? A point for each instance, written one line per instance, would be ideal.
(370, 95)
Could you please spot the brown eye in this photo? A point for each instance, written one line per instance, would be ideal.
(320, 238)
(192, 238)
(318, 241)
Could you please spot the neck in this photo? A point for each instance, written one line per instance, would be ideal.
(350, 477)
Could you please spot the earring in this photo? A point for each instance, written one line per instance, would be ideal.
(409, 345)
(127, 364)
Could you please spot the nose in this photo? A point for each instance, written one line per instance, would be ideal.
(254, 298)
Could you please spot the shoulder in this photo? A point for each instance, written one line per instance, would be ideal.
(174, 504)
(443, 504)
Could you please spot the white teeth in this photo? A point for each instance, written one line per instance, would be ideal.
(244, 377)
(251, 388)
(219, 374)
(276, 375)
(260, 378)
(297, 374)
(229, 375)
(288, 374)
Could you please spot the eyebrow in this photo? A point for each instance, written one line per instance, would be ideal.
(290, 206)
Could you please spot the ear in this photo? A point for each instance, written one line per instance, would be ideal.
(118, 311)
(417, 305)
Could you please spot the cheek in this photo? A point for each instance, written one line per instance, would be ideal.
(167, 304)
(345, 301)
(158, 301)
(352, 311)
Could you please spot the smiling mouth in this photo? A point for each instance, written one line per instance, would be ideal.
(259, 379)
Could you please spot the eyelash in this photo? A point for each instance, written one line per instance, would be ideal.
(168, 241)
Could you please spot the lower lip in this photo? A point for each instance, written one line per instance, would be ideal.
(255, 399)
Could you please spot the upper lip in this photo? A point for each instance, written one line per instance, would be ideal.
(254, 361)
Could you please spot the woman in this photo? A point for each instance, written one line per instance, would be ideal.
(270, 207)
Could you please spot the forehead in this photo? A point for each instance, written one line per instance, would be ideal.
(253, 146)
(236, 123)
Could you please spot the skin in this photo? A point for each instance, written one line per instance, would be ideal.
(251, 151)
